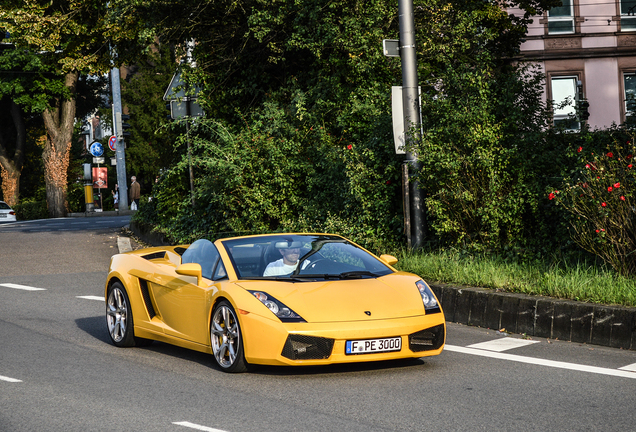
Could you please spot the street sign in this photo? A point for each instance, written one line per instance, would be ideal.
(98, 160)
(397, 113)
(100, 178)
(112, 143)
(391, 48)
(183, 100)
(97, 149)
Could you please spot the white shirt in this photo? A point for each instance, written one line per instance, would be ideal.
(279, 268)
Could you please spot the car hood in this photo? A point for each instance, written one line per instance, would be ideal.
(386, 297)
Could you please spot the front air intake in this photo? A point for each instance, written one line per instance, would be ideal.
(301, 347)
(427, 340)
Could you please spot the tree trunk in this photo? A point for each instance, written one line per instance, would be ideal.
(59, 121)
(10, 185)
(11, 168)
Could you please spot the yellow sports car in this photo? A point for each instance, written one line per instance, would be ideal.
(277, 299)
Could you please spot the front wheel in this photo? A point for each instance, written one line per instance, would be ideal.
(119, 318)
(225, 336)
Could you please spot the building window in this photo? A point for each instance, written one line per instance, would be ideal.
(629, 84)
(628, 15)
(561, 18)
(563, 100)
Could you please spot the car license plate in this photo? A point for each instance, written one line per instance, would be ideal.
(3, 215)
(368, 346)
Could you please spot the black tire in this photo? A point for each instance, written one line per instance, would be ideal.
(226, 339)
(119, 318)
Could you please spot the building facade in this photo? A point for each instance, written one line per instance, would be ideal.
(586, 46)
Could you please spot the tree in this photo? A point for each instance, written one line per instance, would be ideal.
(67, 38)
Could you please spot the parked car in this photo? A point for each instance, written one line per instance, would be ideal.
(6, 213)
(276, 299)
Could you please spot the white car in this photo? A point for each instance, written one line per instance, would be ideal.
(6, 213)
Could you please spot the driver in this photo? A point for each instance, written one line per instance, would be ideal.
(288, 263)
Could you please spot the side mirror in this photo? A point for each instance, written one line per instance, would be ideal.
(389, 259)
(190, 269)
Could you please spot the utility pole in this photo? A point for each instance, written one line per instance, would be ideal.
(120, 152)
(412, 124)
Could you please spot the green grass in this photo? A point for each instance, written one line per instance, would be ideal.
(579, 281)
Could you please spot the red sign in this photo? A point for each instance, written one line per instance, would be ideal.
(112, 143)
(100, 178)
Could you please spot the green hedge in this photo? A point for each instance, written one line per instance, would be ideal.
(31, 209)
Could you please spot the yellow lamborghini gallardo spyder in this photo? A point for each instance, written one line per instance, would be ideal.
(276, 299)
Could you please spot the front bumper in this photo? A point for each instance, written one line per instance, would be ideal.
(274, 343)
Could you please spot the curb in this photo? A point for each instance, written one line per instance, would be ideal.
(103, 213)
(566, 320)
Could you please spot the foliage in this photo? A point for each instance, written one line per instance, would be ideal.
(57, 41)
(599, 194)
(482, 122)
(271, 177)
(30, 209)
(150, 148)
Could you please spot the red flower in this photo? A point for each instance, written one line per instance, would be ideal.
(610, 154)
(551, 196)
(388, 182)
(622, 198)
(617, 185)
(629, 156)
(580, 149)
(609, 189)
(597, 231)
(629, 166)
(349, 147)
(603, 204)
(587, 166)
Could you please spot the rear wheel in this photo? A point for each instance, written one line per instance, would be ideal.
(225, 336)
(119, 318)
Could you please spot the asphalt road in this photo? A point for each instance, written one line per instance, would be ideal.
(59, 371)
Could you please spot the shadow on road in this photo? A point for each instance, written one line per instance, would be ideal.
(94, 326)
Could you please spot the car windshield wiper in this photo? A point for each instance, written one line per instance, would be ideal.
(357, 274)
(281, 278)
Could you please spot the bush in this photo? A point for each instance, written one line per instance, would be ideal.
(280, 173)
(599, 195)
(29, 209)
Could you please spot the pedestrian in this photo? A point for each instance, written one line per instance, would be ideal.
(116, 196)
(135, 193)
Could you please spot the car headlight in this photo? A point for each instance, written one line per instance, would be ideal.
(428, 298)
(281, 311)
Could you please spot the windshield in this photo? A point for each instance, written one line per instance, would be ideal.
(301, 258)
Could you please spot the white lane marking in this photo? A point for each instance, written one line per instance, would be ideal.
(22, 287)
(541, 362)
(78, 223)
(502, 344)
(630, 368)
(196, 426)
(98, 298)
(7, 379)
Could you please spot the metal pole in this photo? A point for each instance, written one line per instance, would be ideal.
(187, 119)
(411, 106)
(120, 152)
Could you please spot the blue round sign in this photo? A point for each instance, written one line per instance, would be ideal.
(97, 149)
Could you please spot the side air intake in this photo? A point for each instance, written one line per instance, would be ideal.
(143, 284)
(427, 340)
(301, 347)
